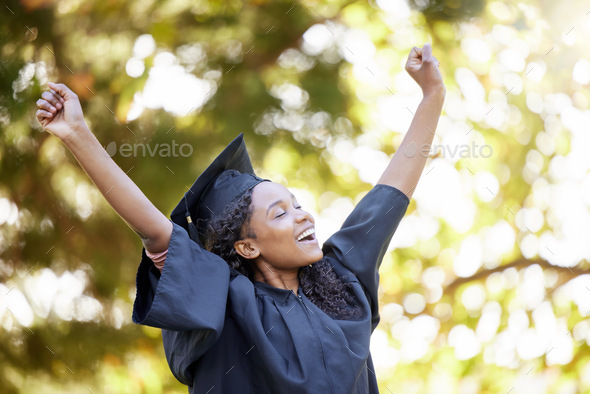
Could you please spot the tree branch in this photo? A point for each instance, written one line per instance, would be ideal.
(521, 263)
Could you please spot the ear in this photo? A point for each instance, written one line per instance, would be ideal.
(246, 249)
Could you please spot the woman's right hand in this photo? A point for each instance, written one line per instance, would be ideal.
(423, 68)
(59, 111)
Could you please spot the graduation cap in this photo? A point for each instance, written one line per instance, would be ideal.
(229, 176)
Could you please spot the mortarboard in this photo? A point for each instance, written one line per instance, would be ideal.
(229, 176)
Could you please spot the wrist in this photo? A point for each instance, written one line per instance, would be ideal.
(78, 135)
(436, 93)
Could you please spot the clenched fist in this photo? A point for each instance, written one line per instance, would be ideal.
(59, 111)
(423, 68)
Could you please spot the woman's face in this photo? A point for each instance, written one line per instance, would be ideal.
(279, 223)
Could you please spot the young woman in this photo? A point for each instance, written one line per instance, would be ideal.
(246, 299)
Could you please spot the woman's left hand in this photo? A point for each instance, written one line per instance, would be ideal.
(423, 68)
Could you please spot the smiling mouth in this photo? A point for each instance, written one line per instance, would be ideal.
(307, 236)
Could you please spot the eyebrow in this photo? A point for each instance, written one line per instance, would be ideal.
(277, 203)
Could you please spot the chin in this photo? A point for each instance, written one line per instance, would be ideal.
(318, 256)
(311, 258)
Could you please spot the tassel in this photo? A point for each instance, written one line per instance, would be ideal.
(192, 230)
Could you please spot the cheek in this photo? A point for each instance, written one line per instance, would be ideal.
(279, 234)
(275, 237)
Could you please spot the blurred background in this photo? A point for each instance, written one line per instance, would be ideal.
(485, 287)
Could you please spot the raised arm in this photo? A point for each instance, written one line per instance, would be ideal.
(406, 165)
(60, 114)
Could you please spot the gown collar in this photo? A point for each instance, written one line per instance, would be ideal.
(281, 295)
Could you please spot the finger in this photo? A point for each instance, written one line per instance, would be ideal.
(42, 114)
(57, 95)
(42, 104)
(427, 51)
(417, 52)
(62, 90)
(58, 98)
(52, 99)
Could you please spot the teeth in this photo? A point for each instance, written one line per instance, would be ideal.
(305, 234)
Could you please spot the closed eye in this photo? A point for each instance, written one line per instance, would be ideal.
(284, 213)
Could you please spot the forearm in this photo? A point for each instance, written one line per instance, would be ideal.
(407, 164)
(120, 191)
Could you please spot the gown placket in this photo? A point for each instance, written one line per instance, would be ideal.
(319, 340)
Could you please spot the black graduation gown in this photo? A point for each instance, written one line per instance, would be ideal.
(224, 334)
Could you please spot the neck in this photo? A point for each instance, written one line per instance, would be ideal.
(275, 277)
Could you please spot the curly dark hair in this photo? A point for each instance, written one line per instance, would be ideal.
(318, 281)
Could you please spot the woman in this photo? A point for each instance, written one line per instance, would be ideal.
(246, 299)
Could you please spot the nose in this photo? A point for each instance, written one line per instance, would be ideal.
(303, 215)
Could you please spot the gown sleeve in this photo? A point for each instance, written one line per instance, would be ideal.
(187, 300)
(189, 294)
(362, 241)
